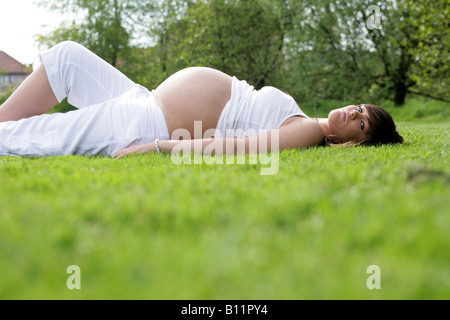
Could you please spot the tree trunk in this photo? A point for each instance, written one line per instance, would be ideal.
(400, 93)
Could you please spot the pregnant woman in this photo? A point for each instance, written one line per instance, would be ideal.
(117, 117)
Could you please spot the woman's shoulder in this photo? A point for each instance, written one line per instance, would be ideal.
(299, 131)
(301, 120)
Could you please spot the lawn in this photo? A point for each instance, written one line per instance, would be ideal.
(145, 228)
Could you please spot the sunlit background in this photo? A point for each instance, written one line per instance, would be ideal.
(21, 21)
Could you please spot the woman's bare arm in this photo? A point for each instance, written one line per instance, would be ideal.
(299, 133)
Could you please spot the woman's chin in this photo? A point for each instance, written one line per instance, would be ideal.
(334, 116)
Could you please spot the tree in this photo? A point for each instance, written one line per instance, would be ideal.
(103, 26)
(342, 57)
(431, 68)
(315, 49)
(240, 37)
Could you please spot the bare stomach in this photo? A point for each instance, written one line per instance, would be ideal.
(194, 94)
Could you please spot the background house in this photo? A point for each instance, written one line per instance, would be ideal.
(12, 72)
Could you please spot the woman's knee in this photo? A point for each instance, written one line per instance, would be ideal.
(70, 50)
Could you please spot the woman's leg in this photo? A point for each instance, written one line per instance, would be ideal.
(81, 76)
(105, 128)
(33, 97)
(70, 71)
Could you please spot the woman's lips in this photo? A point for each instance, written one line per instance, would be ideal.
(345, 115)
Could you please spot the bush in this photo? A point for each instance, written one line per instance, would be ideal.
(5, 94)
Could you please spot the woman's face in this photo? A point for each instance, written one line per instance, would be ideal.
(350, 123)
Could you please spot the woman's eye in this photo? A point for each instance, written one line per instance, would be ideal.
(362, 125)
(360, 109)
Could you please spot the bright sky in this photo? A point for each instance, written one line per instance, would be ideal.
(20, 23)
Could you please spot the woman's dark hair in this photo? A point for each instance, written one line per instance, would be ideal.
(382, 127)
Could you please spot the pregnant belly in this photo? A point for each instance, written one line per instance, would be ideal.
(194, 94)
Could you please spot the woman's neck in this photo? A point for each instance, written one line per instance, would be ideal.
(323, 122)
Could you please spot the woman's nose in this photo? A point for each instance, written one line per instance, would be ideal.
(354, 114)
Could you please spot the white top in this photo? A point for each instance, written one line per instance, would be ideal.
(250, 112)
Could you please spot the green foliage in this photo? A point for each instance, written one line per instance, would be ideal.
(249, 49)
(63, 106)
(341, 57)
(238, 37)
(104, 27)
(5, 94)
(315, 50)
(431, 70)
(420, 109)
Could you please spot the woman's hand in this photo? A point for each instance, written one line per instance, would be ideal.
(142, 148)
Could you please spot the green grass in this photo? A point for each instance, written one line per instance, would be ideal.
(145, 228)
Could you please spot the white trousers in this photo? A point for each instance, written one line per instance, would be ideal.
(113, 111)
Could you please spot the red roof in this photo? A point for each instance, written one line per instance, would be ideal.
(10, 65)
